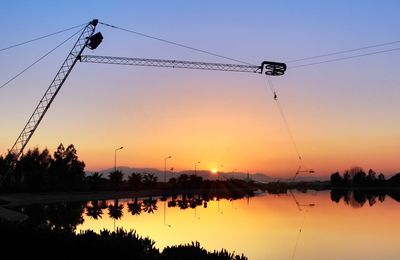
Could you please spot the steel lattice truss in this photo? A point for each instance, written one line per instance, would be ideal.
(171, 63)
(52, 90)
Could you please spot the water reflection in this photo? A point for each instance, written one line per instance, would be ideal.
(62, 216)
(358, 198)
(292, 225)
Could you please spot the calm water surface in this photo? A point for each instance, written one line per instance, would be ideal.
(289, 226)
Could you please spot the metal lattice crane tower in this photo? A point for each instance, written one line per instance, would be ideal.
(86, 39)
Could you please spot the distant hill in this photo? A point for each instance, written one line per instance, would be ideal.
(260, 177)
(205, 174)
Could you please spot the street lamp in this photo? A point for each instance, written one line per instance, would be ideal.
(195, 167)
(218, 171)
(234, 170)
(115, 157)
(165, 167)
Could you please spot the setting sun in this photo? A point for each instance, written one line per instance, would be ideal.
(214, 171)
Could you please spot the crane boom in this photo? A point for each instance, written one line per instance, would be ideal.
(270, 68)
(86, 39)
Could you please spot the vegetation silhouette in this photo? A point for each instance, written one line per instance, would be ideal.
(45, 243)
(149, 205)
(54, 226)
(95, 208)
(39, 171)
(135, 208)
(115, 210)
(356, 177)
(356, 187)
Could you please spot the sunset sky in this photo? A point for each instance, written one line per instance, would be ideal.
(341, 114)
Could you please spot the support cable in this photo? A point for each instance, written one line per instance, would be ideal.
(38, 60)
(41, 37)
(285, 121)
(345, 58)
(175, 43)
(344, 51)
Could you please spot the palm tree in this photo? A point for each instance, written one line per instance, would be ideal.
(96, 179)
(149, 180)
(115, 211)
(116, 178)
(149, 205)
(135, 208)
(94, 210)
(135, 179)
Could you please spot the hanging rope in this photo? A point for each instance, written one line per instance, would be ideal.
(285, 121)
(38, 60)
(41, 37)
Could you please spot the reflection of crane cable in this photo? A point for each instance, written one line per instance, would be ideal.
(273, 91)
(41, 58)
(41, 37)
(344, 51)
(298, 236)
(175, 43)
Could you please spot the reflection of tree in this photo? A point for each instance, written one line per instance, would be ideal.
(65, 216)
(135, 208)
(95, 209)
(172, 203)
(149, 205)
(115, 210)
(358, 198)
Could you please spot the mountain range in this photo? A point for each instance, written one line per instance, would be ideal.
(260, 177)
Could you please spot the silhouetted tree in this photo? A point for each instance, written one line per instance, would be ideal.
(135, 180)
(116, 178)
(360, 179)
(33, 169)
(182, 180)
(95, 180)
(149, 180)
(172, 182)
(336, 179)
(347, 178)
(66, 168)
(394, 180)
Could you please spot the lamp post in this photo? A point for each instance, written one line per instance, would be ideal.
(234, 170)
(115, 157)
(195, 167)
(165, 167)
(218, 171)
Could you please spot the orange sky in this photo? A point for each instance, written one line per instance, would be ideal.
(341, 114)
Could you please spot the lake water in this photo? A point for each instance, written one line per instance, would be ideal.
(289, 226)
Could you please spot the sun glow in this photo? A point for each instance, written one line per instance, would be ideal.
(214, 171)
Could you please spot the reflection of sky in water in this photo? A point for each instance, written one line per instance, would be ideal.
(268, 226)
